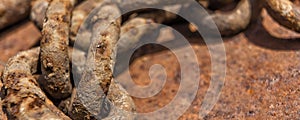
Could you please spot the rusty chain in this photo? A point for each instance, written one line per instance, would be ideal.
(60, 20)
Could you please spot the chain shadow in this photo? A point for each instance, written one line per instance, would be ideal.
(259, 36)
(193, 38)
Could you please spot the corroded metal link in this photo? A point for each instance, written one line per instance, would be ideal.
(39, 8)
(12, 11)
(25, 100)
(285, 13)
(129, 5)
(215, 4)
(132, 31)
(96, 79)
(100, 58)
(38, 11)
(123, 107)
(83, 10)
(90, 101)
(79, 14)
(54, 49)
(2, 114)
(235, 21)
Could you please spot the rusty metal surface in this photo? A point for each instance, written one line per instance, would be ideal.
(262, 80)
